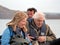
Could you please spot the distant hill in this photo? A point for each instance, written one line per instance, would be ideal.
(6, 13)
(52, 15)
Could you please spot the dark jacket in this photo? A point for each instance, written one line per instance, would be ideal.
(44, 30)
(55, 42)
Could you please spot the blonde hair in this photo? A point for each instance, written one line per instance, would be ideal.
(18, 17)
(38, 15)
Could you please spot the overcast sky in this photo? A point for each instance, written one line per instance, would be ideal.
(40, 5)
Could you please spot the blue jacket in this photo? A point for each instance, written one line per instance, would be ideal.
(6, 37)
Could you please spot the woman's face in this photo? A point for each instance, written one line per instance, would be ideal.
(22, 23)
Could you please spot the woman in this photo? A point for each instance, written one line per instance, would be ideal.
(18, 25)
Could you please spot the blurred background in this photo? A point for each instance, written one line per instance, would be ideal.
(51, 8)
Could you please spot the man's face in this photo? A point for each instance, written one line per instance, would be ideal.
(30, 13)
(38, 22)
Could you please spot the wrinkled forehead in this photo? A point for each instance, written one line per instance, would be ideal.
(40, 18)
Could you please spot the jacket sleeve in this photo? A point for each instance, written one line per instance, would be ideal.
(50, 35)
(5, 37)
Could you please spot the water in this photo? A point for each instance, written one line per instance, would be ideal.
(54, 25)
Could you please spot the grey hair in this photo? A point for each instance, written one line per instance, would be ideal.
(37, 15)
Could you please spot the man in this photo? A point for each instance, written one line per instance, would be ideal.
(31, 12)
(39, 32)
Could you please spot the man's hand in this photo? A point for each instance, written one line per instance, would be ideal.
(42, 38)
(30, 37)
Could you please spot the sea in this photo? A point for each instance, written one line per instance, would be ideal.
(53, 23)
